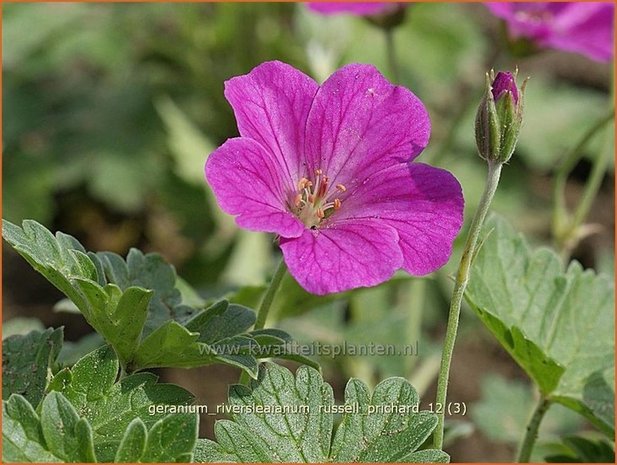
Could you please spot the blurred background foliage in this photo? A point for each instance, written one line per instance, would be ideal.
(110, 111)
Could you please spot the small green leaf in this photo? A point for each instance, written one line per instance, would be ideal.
(119, 316)
(111, 406)
(66, 435)
(220, 321)
(172, 439)
(282, 418)
(148, 271)
(58, 258)
(383, 436)
(558, 325)
(133, 442)
(26, 361)
(22, 436)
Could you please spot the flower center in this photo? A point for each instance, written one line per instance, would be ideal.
(312, 203)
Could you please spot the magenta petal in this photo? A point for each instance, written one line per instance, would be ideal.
(425, 206)
(360, 124)
(580, 27)
(585, 28)
(246, 183)
(271, 105)
(345, 256)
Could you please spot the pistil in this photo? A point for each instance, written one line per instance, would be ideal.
(312, 203)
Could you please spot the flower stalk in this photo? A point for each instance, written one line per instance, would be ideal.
(391, 53)
(266, 303)
(532, 430)
(498, 124)
(462, 277)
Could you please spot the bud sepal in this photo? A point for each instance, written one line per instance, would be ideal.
(499, 117)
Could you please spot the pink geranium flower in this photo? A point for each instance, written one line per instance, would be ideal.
(329, 169)
(580, 27)
(354, 8)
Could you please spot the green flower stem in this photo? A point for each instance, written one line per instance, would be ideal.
(532, 430)
(565, 228)
(266, 303)
(462, 277)
(391, 53)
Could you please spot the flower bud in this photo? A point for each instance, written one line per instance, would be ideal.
(499, 117)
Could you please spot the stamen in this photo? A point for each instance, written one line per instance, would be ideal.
(323, 187)
(313, 202)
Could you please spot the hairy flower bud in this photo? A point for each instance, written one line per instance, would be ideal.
(499, 117)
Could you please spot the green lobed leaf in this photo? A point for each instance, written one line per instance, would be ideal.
(26, 361)
(137, 305)
(22, 435)
(118, 316)
(170, 440)
(111, 406)
(148, 271)
(282, 418)
(66, 435)
(558, 325)
(383, 437)
(133, 442)
(59, 258)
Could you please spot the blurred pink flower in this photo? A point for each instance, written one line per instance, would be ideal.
(329, 169)
(355, 8)
(580, 27)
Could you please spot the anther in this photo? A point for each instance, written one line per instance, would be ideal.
(298, 200)
(318, 172)
(337, 204)
(303, 183)
(320, 213)
(341, 188)
(323, 187)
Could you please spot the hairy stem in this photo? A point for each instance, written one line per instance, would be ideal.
(532, 430)
(266, 303)
(462, 277)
